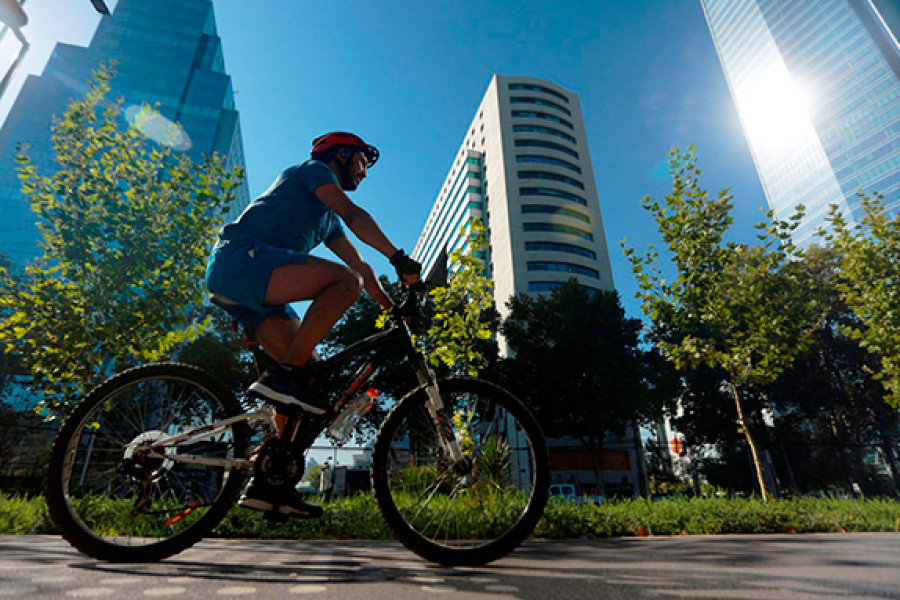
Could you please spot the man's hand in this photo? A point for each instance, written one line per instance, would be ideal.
(408, 270)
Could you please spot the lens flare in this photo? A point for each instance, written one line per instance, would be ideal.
(775, 110)
(151, 123)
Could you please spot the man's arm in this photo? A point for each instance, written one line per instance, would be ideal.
(359, 221)
(347, 253)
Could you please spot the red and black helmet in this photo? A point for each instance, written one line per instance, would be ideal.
(326, 146)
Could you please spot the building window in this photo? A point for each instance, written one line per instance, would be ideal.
(554, 228)
(548, 145)
(554, 210)
(534, 114)
(550, 177)
(546, 160)
(549, 286)
(562, 267)
(537, 88)
(545, 130)
(552, 193)
(560, 247)
(538, 101)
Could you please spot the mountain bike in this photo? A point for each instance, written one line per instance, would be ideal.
(154, 457)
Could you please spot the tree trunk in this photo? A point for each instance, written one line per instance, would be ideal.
(757, 463)
(643, 478)
(890, 456)
(787, 465)
(596, 447)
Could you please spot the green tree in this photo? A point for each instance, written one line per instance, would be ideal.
(575, 359)
(125, 226)
(394, 379)
(830, 408)
(870, 284)
(731, 306)
(464, 319)
(458, 322)
(220, 351)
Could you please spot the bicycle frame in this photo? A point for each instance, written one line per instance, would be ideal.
(383, 347)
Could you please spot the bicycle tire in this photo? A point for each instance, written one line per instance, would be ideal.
(79, 498)
(508, 503)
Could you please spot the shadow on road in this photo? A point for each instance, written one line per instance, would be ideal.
(765, 567)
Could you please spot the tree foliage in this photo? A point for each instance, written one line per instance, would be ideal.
(730, 306)
(830, 409)
(125, 226)
(464, 319)
(220, 351)
(361, 321)
(870, 284)
(575, 359)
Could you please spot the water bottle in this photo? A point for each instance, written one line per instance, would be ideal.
(352, 411)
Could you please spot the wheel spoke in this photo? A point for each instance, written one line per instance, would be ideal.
(111, 492)
(473, 510)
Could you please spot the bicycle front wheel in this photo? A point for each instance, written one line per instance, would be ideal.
(467, 510)
(116, 493)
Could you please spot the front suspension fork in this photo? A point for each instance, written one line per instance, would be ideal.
(440, 412)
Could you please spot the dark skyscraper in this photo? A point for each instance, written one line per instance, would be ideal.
(167, 52)
(817, 88)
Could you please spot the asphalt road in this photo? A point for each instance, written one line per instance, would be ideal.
(801, 567)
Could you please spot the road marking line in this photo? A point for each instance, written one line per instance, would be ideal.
(89, 592)
(236, 591)
(171, 591)
(307, 589)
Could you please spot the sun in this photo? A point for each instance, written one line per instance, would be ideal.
(774, 109)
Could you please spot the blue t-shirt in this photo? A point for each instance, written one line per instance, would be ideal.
(288, 214)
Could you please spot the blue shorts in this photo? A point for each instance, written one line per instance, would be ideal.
(240, 268)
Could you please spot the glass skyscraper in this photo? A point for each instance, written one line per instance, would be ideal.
(166, 52)
(817, 89)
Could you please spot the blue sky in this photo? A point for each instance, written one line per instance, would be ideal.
(409, 75)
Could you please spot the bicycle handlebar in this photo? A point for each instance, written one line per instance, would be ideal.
(410, 305)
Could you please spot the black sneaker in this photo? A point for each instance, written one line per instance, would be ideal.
(284, 387)
(284, 500)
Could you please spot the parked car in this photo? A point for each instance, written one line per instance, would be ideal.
(567, 491)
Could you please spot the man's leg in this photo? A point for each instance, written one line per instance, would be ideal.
(333, 288)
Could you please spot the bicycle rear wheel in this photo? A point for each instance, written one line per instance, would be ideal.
(114, 502)
(461, 512)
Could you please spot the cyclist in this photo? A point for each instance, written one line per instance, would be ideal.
(261, 263)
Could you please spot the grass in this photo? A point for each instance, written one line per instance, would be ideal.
(358, 518)
(691, 516)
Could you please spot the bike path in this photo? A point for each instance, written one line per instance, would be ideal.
(764, 567)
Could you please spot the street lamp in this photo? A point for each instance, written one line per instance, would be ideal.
(13, 18)
(101, 7)
(12, 15)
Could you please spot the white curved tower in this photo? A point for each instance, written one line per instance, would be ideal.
(524, 168)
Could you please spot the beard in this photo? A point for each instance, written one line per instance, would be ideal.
(348, 179)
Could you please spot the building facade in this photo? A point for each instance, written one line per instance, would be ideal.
(524, 169)
(166, 52)
(817, 89)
